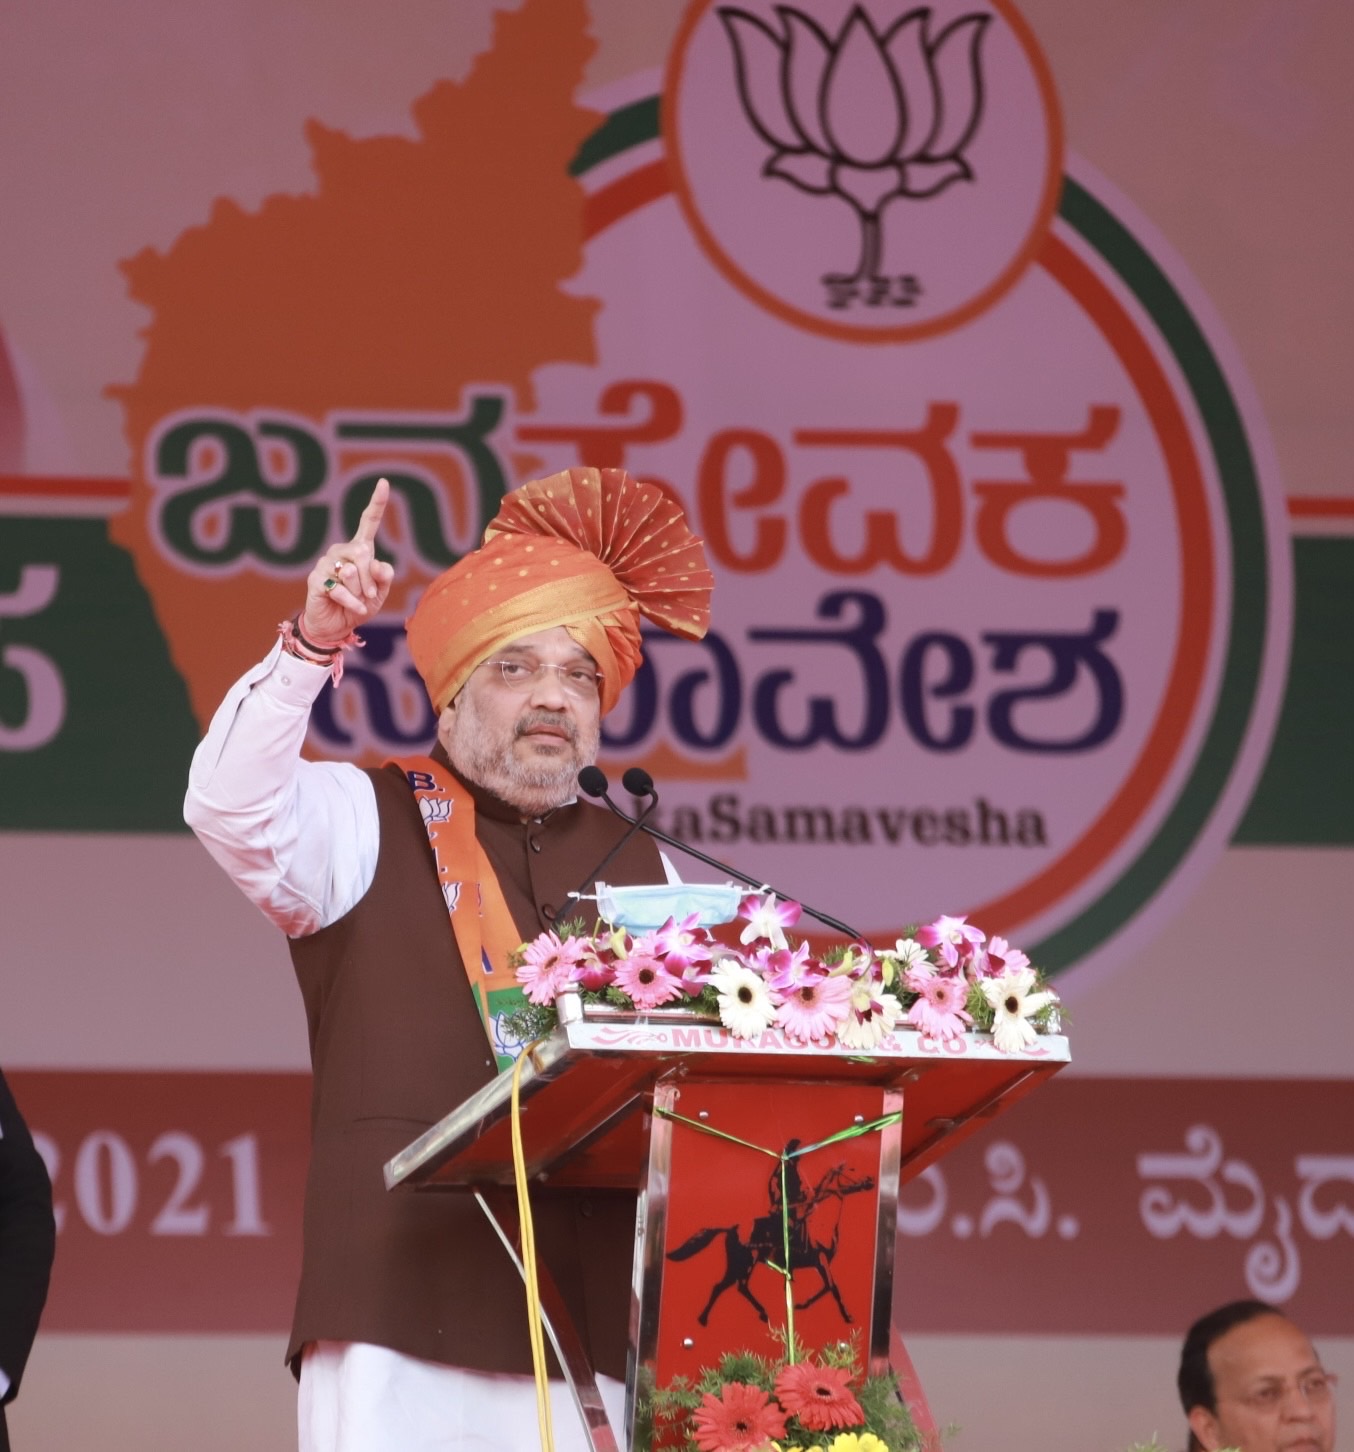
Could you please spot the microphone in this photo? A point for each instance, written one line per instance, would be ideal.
(593, 781)
(639, 783)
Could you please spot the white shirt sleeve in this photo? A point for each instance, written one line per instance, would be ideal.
(299, 838)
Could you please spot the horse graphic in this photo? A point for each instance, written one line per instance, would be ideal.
(815, 1217)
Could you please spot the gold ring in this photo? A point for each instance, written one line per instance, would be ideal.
(329, 584)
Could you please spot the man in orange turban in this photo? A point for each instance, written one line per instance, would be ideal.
(402, 891)
(590, 550)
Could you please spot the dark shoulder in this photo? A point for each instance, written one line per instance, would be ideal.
(637, 862)
(21, 1166)
(391, 785)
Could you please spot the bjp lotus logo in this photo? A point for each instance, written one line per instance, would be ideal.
(868, 116)
(936, 126)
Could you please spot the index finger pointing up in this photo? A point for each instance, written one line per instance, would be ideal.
(371, 515)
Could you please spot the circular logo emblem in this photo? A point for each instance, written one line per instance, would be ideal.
(827, 156)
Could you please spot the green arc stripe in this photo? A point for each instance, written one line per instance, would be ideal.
(1212, 396)
(1243, 659)
(625, 127)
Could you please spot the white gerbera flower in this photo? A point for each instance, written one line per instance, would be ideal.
(872, 1017)
(745, 1006)
(906, 955)
(1015, 1005)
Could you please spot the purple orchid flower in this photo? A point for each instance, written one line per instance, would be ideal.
(952, 938)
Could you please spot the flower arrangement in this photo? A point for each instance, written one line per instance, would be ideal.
(944, 979)
(750, 1403)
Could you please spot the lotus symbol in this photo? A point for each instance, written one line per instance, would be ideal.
(868, 116)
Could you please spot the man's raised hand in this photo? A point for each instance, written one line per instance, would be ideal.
(349, 584)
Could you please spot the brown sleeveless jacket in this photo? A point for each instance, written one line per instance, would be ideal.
(396, 1043)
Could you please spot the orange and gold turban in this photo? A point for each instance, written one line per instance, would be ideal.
(589, 549)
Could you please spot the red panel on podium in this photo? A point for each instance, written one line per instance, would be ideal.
(700, 1122)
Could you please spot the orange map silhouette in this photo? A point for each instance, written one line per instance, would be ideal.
(416, 267)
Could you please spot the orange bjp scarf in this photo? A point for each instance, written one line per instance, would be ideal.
(484, 929)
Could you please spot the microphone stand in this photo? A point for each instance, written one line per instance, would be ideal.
(636, 825)
(642, 785)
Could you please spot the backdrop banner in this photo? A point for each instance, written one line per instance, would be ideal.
(179, 1205)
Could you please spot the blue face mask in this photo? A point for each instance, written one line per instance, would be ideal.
(642, 909)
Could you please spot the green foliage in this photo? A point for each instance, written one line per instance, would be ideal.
(886, 1414)
(1053, 1018)
(980, 1010)
(744, 1366)
(530, 1022)
(645, 1426)
(707, 1001)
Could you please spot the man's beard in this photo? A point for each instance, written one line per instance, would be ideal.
(534, 786)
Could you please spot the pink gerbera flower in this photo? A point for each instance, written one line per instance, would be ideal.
(820, 1396)
(643, 977)
(812, 1011)
(940, 1010)
(920, 974)
(741, 1418)
(952, 938)
(1001, 958)
(548, 965)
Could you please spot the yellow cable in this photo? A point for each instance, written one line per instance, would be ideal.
(528, 1236)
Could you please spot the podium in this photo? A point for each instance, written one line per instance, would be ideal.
(747, 1154)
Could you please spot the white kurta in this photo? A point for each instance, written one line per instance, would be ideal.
(300, 840)
(358, 1398)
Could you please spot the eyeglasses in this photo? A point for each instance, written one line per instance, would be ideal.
(577, 678)
(1316, 1387)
